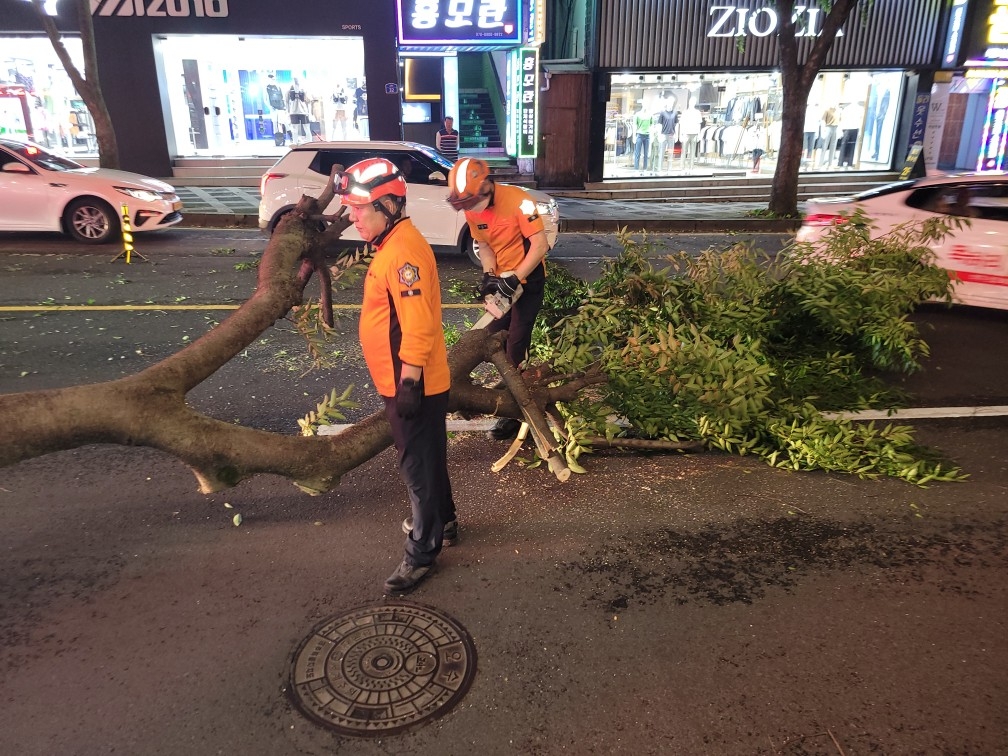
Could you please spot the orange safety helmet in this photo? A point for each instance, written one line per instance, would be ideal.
(465, 180)
(365, 182)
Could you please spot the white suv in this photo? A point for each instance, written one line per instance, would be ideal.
(305, 170)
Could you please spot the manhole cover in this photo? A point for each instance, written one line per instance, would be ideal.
(382, 669)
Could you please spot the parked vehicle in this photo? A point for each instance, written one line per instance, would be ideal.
(43, 191)
(306, 168)
(976, 254)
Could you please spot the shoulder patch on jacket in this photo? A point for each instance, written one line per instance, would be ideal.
(409, 274)
(528, 207)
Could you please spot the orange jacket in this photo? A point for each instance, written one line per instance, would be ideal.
(505, 225)
(400, 317)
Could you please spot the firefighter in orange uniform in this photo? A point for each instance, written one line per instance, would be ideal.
(404, 348)
(505, 222)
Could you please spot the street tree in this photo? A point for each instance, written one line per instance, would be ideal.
(88, 83)
(725, 352)
(801, 58)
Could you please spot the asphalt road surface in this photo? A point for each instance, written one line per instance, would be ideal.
(659, 604)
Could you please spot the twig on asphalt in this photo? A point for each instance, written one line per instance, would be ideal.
(836, 743)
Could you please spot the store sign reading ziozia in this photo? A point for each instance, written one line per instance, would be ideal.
(731, 21)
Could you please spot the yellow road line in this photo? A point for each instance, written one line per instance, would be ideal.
(133, 308)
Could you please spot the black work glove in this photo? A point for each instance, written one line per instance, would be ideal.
(488, 285)
(508, 285)
(407, 398)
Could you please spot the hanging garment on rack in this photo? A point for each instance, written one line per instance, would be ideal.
(707, 94)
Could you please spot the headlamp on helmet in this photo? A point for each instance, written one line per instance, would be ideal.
(366, 182)
(466, 181)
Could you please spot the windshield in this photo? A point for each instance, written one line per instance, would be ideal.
(436, 156)
(40, 157)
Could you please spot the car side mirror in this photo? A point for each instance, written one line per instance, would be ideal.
(438, 178)
(16, 167)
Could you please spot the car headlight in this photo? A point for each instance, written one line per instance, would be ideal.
(144, 195)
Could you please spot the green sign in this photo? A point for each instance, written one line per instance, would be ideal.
(527, 106)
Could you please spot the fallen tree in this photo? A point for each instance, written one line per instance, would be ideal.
(723, 352)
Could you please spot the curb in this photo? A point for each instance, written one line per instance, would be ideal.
(218, 220)
(568, 225)
(679, 226)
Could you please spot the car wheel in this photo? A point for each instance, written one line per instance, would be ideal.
(470, 248)
(279, 218)
(91, 221)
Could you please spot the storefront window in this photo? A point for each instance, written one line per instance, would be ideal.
(229, 95)
(676, 124)
(37, 99)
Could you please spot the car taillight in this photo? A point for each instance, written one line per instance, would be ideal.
(825, 219)
(266, 179)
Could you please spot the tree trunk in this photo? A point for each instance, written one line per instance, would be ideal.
(784, 189)
(796, 80)
(88, 84)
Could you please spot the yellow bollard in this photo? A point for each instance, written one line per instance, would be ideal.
(127, 237)
(127, 233)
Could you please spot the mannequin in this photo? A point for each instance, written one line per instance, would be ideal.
(339, 99)
(690, 124)
(668, 121)
(642, 136)
(812, 112)
(297, 106)
(880, 113)
(278, 103)
(757, 143)
(360, 116)
(830, 121)
(851, 119)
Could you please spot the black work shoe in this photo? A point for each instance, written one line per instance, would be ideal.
(504, 428)
(451, 530)
(406, 578)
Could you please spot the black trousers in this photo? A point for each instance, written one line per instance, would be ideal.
(519, 319)
(422, 443)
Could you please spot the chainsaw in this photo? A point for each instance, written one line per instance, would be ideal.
(497, 306)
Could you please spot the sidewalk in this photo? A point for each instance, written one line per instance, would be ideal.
(237, 206)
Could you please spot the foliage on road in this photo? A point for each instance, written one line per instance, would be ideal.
(748, 355)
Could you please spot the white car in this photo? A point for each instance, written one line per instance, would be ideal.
(42, 191)
(977, 254)
(305, 170)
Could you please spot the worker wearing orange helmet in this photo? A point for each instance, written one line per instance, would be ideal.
(403, 343)
(504, 221)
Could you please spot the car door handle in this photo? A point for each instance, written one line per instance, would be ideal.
(58, 186)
